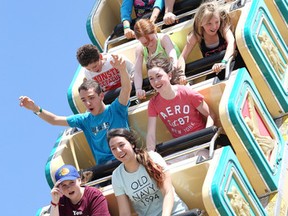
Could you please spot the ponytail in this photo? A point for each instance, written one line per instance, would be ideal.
(154, 170)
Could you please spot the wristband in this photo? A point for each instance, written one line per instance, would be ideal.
(126, 27)
(54, 204)
(37, 113)
(224, 61)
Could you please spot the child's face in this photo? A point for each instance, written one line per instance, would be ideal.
(159, 79)
(91, 100)
(149, 40)
(211, 26)
(70, 188)
(121, 149)
(95, 66)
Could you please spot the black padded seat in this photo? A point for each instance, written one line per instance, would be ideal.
(111, 95)
(187, 141)
(103, 170)
(165, 148)
(203, 64)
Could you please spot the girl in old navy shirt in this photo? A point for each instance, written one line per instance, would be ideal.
(211, 29)
(143, 178)
(182, 109)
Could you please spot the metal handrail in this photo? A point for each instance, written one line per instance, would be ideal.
(98, 181)
(210, 71)
(159, 24)
(209, 144)
(227, 67)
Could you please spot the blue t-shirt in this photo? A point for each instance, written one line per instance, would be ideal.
(141, 8)
(95, 128)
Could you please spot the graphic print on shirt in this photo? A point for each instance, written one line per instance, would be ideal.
(216, 50)
(109, 80)
(77, 212)
(143, 6)
(144, 191)
(177, 116)
(103, 126)
(206, 51)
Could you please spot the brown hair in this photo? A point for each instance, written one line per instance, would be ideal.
(154, 170)
(144, 27)
(90, 84)
(166, 64)
(87, 54)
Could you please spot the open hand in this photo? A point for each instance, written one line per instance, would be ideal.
(28, 103)
(118, 62)
(55, 194)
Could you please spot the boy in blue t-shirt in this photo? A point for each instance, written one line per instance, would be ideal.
(100, 117)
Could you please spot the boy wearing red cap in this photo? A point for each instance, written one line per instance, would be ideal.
(69, 198)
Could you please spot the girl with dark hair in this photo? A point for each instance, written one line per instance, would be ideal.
(143, 178)
(182, 109)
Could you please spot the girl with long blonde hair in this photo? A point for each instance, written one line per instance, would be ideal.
(211, 29)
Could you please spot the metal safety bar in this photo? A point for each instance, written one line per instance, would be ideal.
(227, 67)
(98, 181)
(209, 144)
(108, 41)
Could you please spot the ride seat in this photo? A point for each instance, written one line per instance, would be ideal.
(166, 148)
(180, 6)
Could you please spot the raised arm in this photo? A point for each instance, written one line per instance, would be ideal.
(169, 18)
(119, 63)
(157, 8)
(43, 114)
(55, 197)
(204, 109)
(126, 11)
(138, 78)
(151, 134)
(169, 48)
(167, 191)
(190, 44)
(123, 205)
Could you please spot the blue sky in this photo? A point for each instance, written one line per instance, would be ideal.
(38, 42)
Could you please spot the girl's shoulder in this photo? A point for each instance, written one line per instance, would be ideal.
(183, 88)
(158, 159)
(139, 49)
(118, 170)
(154, 98)
(154, 155)
(186, 90)
(191, 38)
(163, 37)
